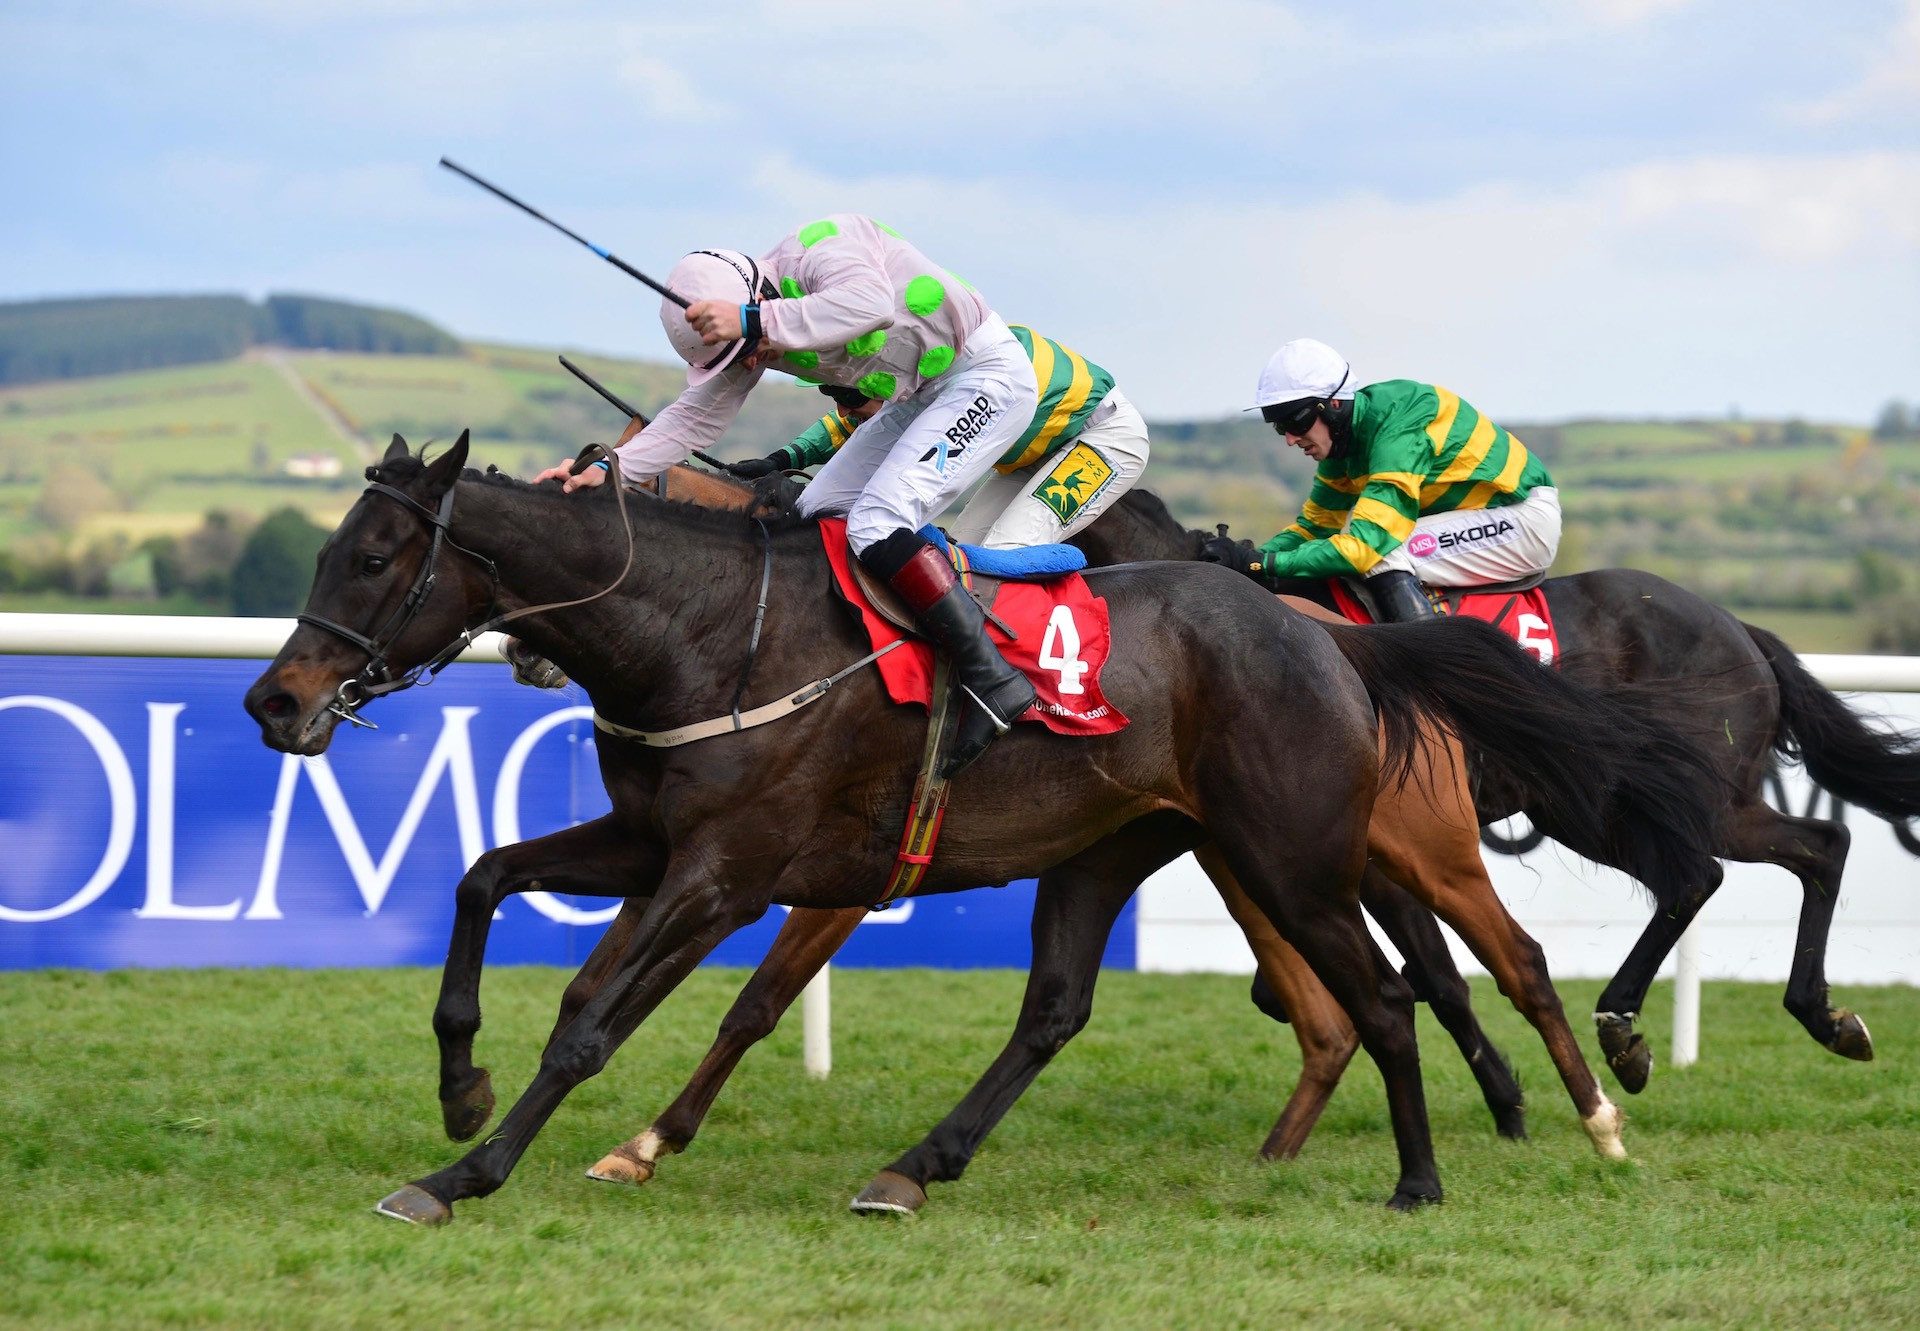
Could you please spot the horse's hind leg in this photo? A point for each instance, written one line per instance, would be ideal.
(1619, 1005)
(1428, 841)
(1326, 1038)
(598, 858)
(1815, 851)
(1073, 913)
(805, 943)
(1437, 982)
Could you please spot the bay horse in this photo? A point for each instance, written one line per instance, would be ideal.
(1749, 699)
(642, 603)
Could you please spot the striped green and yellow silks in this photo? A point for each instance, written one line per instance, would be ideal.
(820, 440)
(1417, 449)
(1070, 387)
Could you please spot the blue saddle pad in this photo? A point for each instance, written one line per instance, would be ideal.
(1025, 563)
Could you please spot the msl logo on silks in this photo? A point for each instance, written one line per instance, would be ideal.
(1079, 475)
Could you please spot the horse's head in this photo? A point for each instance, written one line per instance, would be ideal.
(389, 591)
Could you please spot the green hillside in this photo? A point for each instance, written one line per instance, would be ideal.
(1813, 530)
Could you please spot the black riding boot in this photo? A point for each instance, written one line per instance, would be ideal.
(1400, 598)
(951, 619)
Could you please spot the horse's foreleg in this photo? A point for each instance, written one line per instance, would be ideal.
(598, 966)
(1326, 1038)
(1073, 913)
(599, 858)
(688, 918)
(1437, 982)
(1815, 851)
(806, 942)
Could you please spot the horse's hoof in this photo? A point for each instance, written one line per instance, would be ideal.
(1626, 1051)
(617, 1168)
(1411, 1199)
(415, 1205)
(890, 1194)
(1603, 1130)
(1511, 1122)
(1850, 1037)
(469, 1109)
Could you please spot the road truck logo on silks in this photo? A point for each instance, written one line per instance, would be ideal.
(965, 428)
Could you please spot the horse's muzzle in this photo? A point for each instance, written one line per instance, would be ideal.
(294, 712)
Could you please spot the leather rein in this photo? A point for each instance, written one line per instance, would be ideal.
(377, 678)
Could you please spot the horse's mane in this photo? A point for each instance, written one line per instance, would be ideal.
(781, 515)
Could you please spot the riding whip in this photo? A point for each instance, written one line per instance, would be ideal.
(617, 404)
(531, 211)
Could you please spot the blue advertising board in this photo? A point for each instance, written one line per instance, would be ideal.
(143, 823)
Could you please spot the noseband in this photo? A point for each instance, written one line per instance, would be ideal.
(377, 678)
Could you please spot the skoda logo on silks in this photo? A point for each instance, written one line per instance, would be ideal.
(1490, 531)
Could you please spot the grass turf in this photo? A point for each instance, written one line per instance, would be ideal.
(203, 1148)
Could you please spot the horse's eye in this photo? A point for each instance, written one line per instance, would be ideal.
(372, 565)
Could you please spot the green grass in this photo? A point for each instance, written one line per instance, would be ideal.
(203, 1148)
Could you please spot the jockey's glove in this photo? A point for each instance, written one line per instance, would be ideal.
(754, 468)
(1241, 556)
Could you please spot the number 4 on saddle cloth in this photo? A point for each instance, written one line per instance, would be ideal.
(1518, 610)
(1060, 628)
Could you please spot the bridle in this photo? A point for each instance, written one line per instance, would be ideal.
(378, 678)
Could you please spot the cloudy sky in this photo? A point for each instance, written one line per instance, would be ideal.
(1556, 207)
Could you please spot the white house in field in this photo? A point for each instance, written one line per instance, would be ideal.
(312, 466)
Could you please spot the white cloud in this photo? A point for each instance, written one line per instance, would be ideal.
(1889, 82)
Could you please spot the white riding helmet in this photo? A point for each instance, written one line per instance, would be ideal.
(726, 275)
(1303, 368)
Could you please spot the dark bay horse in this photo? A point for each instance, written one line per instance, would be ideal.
(1750, 702)
(645, 604)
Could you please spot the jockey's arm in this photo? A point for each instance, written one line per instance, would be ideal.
(1378, 519)
(847, 294)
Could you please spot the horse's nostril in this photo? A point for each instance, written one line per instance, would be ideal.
(278, 705)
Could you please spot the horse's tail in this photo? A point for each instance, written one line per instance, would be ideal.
(1604, 772)
(1863, 764)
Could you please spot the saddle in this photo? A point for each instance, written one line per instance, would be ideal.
(1518, 609)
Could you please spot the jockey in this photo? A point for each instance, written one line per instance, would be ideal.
(1085, 447)
(845, 301)
(1413, 486)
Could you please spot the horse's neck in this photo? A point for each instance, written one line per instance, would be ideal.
(671, 637)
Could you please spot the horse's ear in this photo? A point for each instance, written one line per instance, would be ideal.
(395, 451)
(444, 470)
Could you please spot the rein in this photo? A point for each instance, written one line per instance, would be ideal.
(377, 678)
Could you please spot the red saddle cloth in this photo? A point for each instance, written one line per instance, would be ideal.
(1522, 616)
(1063, 640)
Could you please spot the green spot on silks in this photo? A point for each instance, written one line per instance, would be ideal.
(924, 295)
(807, 383)
(806, 360)
(791, 289)
(879, 385)
(935, 362)
(814, 232)
(889, 230)
(867, 343)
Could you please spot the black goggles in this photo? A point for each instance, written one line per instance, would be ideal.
(1292, 418)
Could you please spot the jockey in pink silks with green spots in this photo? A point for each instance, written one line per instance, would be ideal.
(845, 301)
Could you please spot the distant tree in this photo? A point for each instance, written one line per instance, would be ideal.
(275, 567)
(1796, 431)
(1877, 574)
(1893, 624)
(70, 495)
(1895, 421)
(208, 553)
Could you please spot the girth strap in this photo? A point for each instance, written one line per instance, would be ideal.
(736, 720)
